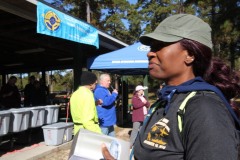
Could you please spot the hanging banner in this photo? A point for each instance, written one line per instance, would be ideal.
(54, 23)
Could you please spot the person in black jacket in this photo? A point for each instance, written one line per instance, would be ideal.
(9, 94)
(181, 56)
(29, 91)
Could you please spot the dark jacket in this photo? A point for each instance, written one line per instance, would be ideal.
(28, 94)
(137, 115)
(209, 131)
(12, 101)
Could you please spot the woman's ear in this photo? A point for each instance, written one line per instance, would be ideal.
(189, 59)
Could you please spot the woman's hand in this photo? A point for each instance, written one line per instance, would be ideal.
(144, 101)
(106, 153)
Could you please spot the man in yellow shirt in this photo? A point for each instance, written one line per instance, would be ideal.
(82, 104)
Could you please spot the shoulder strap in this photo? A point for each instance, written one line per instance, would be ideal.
(152, 109)
(181, 109)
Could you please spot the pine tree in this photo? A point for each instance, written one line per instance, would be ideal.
(155, 11)
(223, 16)
(113, 17)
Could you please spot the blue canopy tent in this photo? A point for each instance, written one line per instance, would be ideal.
(131, 60)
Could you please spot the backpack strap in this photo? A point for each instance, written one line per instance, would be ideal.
(181, 110)
(152, 109)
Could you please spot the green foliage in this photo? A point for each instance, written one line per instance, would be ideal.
(127, 22)
(135, 24)
(78, 8)
(223, 16)
(153, 12)
(113, 18)
(61, 80)
(135, 80)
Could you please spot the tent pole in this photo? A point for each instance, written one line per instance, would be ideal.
(77, 64)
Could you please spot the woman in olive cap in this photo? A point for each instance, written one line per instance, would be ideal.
(181, 56)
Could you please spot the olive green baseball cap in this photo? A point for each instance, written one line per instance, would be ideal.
(178, 27)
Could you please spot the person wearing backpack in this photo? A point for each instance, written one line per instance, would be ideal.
(181, 56)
